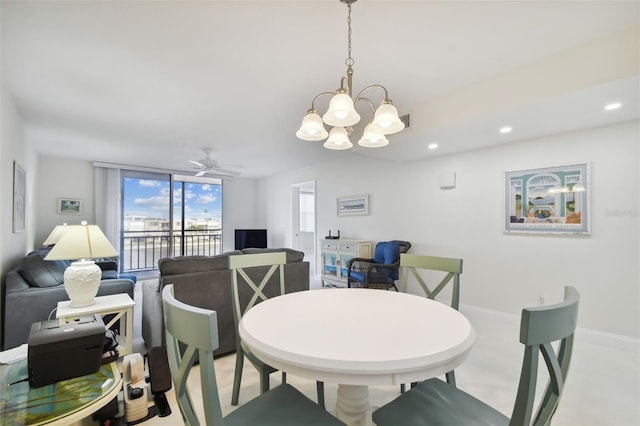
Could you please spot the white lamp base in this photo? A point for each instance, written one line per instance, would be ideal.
(81, 282)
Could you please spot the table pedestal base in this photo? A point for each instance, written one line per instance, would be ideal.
(352, 405)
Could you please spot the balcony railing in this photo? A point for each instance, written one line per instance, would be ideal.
(141, 250)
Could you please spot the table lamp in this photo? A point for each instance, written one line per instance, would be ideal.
(82, 278)
(55, 235)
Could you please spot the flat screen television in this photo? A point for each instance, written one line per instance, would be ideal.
(251, 238)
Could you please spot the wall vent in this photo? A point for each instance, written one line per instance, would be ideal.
(406, 120)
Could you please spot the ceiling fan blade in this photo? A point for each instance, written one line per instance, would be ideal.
(200, 173)
(197, 163)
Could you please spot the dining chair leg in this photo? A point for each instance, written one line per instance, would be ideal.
(320, 388)
(237, 378)
(403, 388)
(284, 377)
(451, 378)
(264, 380)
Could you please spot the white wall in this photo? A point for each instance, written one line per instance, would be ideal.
(501, 272)
(62, 178)
(13, 147)
(239, 209)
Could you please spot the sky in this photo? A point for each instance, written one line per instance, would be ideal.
(150, 198)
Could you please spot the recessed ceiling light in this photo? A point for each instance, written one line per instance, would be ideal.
(432, 146)
(506, 129)
(612, 106)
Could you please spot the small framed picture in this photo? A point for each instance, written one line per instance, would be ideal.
(357, 205)
(69, 206)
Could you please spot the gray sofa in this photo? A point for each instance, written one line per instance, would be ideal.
(33, 290)
(205, 281)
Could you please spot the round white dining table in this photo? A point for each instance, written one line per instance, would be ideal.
(356, 338)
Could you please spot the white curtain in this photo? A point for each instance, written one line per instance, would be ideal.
(107, 202)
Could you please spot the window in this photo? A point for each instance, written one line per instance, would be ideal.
(166, 215)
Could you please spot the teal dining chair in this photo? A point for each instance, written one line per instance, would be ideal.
(197, 329)
(254, 279)
(434, 402)
(418, 266)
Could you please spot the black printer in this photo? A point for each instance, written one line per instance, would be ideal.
(59, 351)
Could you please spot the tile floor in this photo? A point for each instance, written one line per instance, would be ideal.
(596, 393)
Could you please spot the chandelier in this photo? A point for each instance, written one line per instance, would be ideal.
(342, 115)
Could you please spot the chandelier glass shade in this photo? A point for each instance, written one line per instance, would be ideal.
(312, 128)
(373, 137)
(342, 115)
(338, 139)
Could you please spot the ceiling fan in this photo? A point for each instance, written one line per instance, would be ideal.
(209, 165)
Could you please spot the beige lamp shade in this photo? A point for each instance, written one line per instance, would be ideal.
(82, 278)
(82, 242)
(56, 234)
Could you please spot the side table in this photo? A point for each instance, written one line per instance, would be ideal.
(58, 404)
(119, 304)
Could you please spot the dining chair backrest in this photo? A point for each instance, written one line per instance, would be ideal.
(411, 264)
(251, 285)
(254, 279)
(197, 328)
(539, 328)
(544, 330)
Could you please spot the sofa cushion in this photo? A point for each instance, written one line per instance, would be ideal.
(186, 264)
(292, 255)
(112, 275)
(42, 273)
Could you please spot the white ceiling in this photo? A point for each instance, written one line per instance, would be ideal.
(150, 83)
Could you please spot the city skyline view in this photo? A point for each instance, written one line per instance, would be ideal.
(150, 198)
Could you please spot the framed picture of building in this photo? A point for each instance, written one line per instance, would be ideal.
(549, 200)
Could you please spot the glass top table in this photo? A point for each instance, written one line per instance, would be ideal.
(61, 403)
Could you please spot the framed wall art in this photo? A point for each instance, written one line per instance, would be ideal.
(69, 206)
(357, 205)
(549, 200)
(19, 197)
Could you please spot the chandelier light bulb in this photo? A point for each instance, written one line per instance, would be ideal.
(338, 139)
(372, 137)
(341, 112)
(386, 117)
(312, 128)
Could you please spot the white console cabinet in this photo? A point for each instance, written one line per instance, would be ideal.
(335, 256)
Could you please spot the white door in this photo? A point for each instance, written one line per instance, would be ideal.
(304, 220)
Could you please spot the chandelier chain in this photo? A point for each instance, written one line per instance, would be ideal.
(349, 61)
(342, 116)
